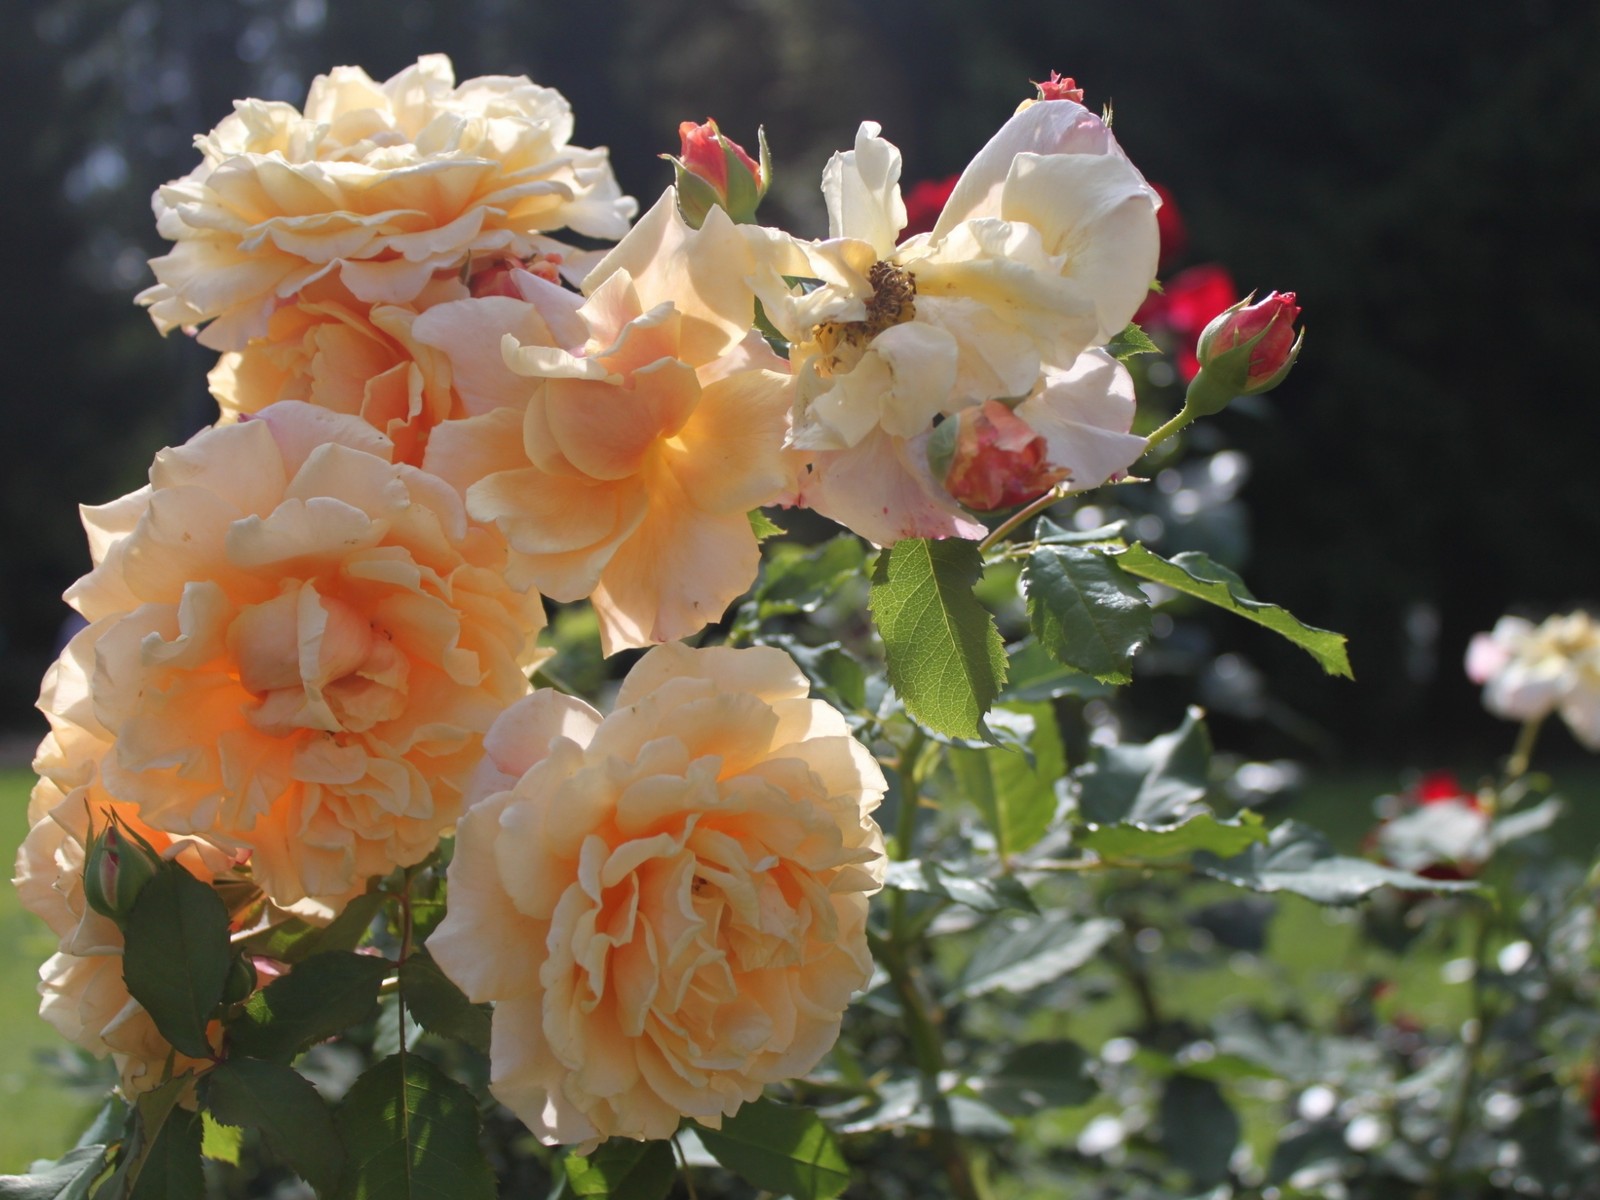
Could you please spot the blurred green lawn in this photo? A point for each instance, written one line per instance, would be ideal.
(39, 1118)
(1308, 954)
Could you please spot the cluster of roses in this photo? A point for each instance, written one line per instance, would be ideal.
(308, 638)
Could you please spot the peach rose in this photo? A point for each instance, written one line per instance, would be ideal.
(383, 184)
(84, 996)
(667, 906)
(403, 369)
(648, 434)
(295, 647)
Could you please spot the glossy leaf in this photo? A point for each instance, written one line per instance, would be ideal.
(322, 996)
(441, 1007)
(1296, 858)
(1159, 782)
(780, 1148)
(171, 1169)
(177, 956)
(295, 940)
(1040, 1075)
(945, 657)
(68, 1179)
(623, 1169)
(279, 1103)
(1196, 575)
(1086, 611)
(1032, 953)
(1016, 797)
(1003, 893)
(410, 1132)
(1203, 831)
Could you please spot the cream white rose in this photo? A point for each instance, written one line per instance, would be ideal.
(384, 184)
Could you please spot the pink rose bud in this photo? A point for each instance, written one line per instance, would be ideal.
(714, 170)
(1247, 349)
(998, 461)
(1059, 87)
(117, 865)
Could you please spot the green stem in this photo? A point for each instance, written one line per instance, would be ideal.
(1032, 509)
(1517, 764)
(921, 1018)
(683, 1159)
(1185, 417)
(1473, 1040)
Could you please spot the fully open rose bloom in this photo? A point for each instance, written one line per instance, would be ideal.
(383, 184)
(667, 906)
(1530, 671)
(645, 433)
(294, 649)
(85, 998)
(1044, 249)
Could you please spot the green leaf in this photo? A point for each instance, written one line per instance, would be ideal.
(294, 1122)
(1035, 676)
(945, 657)
(325, 994)
(1001, 894)
(68, 1179)
(1047, 533)
(918, 1104)
(1086, 611)
(294, 940)
(176, 958)
(220, 1142)
(1040, 1075)
(171, 1170)
(802, 578)
(410, 1132)
(1298, 859)
(441, 1007)
(781, 1149)
(837, 677)
(1159, 782)
(622, 1169)
(763, 526)
(1203, 831)
(1017, 798)
(1196, 575)
(1199, 1130)
(1033, 953)
(1130, 342)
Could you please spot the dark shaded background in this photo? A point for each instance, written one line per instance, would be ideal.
(1425, 175)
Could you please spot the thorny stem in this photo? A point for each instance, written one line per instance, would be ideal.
(1185, 417)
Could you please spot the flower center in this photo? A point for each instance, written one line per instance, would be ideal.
(893, 302)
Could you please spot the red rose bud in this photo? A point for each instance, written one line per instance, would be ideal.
(1249, 348)
(998, 460)
(714, 170)
(1059, 87)
(117, 865)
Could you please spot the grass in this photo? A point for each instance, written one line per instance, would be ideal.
(39, 1118)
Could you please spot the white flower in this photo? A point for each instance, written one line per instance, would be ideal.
(1529, 671)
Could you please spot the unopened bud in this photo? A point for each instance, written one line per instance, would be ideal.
(998, 460)
(715, 171)
(241, 981)
(1247, 349)
(117, 864)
